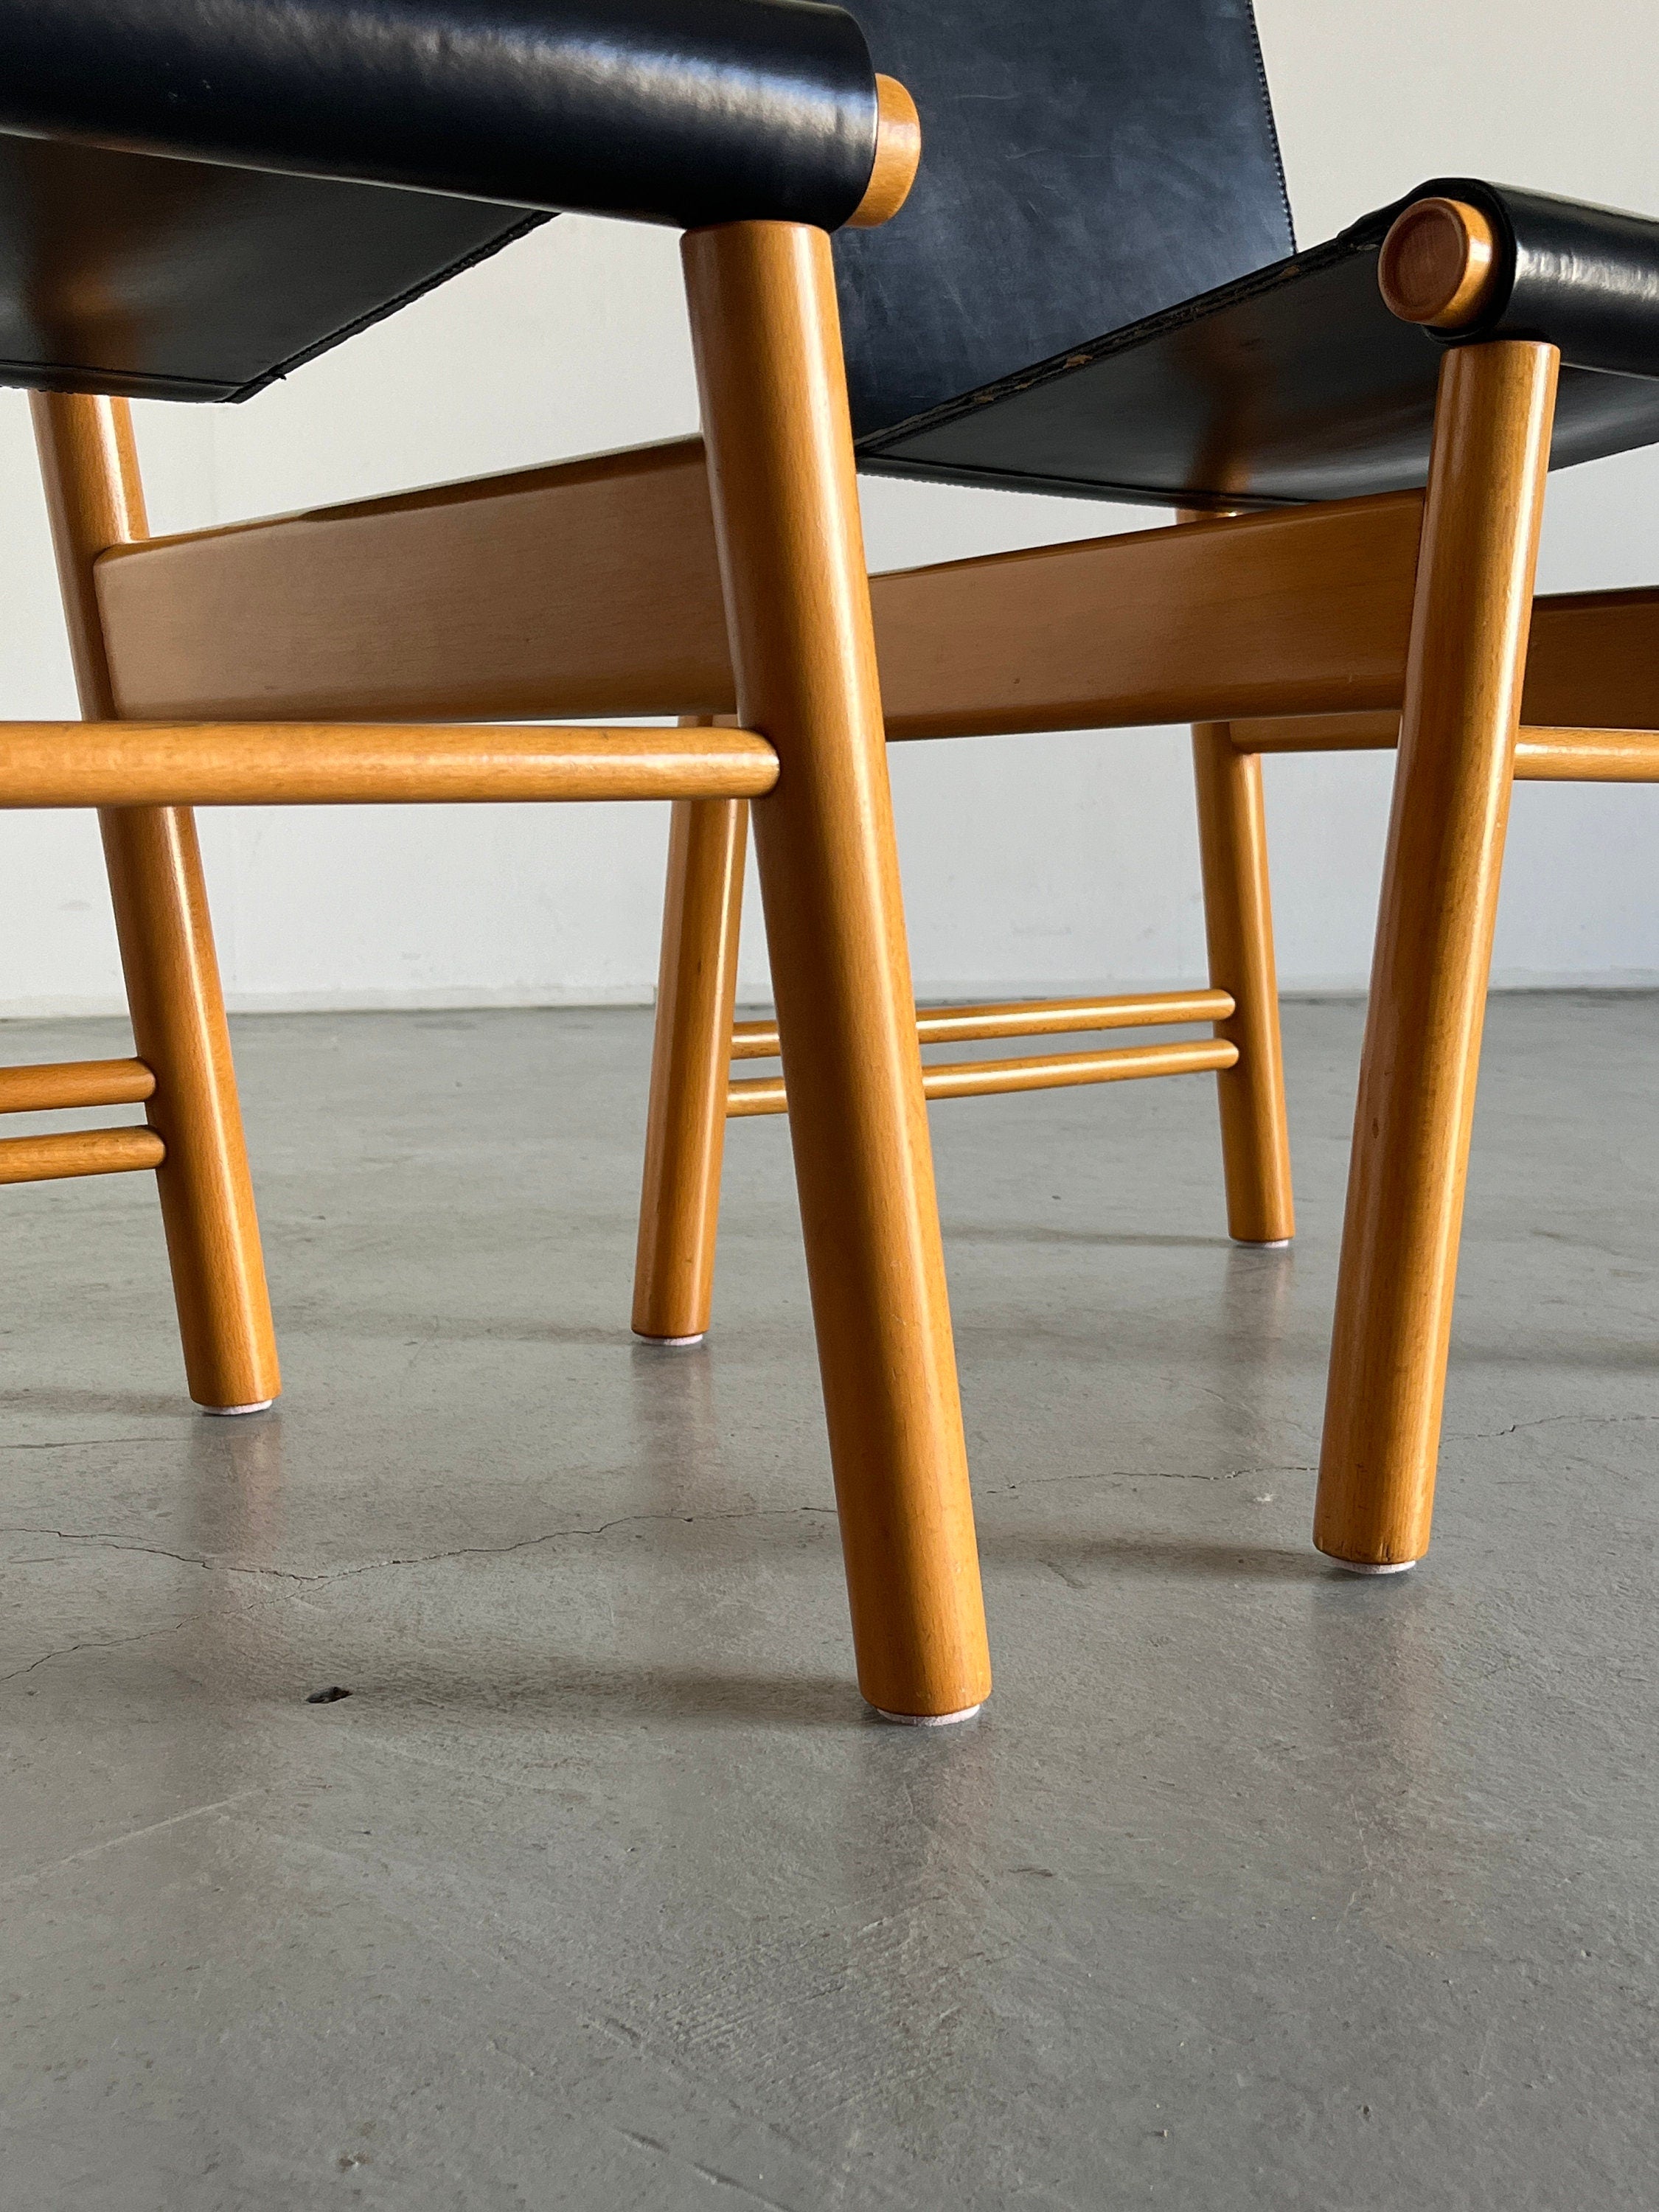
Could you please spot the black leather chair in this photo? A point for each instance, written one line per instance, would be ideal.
(1093, 291)
(193, 198)
(1090, 171)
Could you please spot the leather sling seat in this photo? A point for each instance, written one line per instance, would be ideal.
(267, 234)
(1296, 382)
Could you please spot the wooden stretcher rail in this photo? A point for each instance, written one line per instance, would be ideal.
(984, 1079)
(345, 763)
(594, 588)
(1194, 624)
(79, 1152)
(1319, 733)
(1541, 756)
(55, 1086)
(589, 588)
(1024, 1018)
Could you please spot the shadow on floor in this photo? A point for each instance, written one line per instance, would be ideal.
(1031, 1232)
(121, 1404)
(1095, 1557)
(569, 1691)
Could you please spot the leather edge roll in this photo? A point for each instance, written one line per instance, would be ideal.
(691, 113)
(1566, 272)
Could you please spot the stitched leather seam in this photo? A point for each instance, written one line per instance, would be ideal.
(1267, 113)
(364, 322)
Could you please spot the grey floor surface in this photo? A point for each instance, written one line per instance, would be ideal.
(1254, 1886)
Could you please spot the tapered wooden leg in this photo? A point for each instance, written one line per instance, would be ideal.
(95, 500)
(178, 1027)
(767, 337)
(1468, 648)
(691, 1066)
(1238, 921)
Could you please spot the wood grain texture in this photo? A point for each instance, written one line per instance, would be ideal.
(991, 1078)
(589, 588)
(1019, 1017)
(79, 1152)
(899, 156)
(1238, 928)
(53, 1086)
(1378, 731)
(593, 589)
(1303, 612)
(766, 336)
(94, 501)
(1433, 954)
(1594, 661)
(1588, 757)
(126, 764)
(1541, 756)
(1592, 665)
(1439, 265)
(691, 1056)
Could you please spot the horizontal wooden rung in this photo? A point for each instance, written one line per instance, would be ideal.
(1588, 757)
(79, 1152)
(55, 1086)
(981, 1078)
(1024, 1018)
(366, 763)
(1541, 755)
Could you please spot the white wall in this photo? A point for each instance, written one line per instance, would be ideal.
(1045, 863)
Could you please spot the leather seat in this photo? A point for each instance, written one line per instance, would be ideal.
(1296, 382)
(193, 201)
(193, 196)
(1094, 287)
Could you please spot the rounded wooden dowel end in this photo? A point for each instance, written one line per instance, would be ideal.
(899, 156)
(1439, 264)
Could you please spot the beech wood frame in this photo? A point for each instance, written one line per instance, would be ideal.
(1476, 653)
(793, 600)
(1300, 630)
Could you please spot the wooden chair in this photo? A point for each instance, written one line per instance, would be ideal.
(1096, 171)
(166, 177)
(1086, 166)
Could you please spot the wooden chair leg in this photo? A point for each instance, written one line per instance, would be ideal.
(1238, 922)
(766, 334)
(690, 1068)
(96, 500)
(1467, 656)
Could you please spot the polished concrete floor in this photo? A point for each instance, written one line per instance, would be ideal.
(1255, 1885)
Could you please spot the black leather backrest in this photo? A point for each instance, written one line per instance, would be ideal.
(1085, 162)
